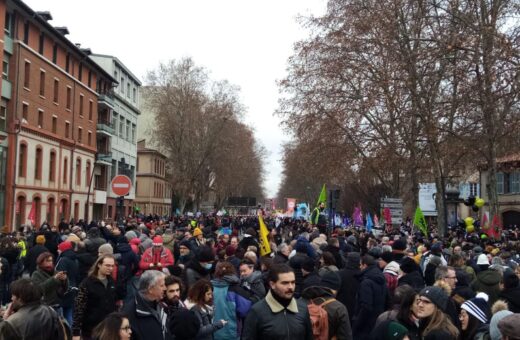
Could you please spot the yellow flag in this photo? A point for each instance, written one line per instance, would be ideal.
(265, 247)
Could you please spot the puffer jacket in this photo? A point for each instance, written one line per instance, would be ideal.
(337, 314)
(371, 301)
(233, 303)
(255, 284)
(268, 319)
(207, 327)
(488, 281)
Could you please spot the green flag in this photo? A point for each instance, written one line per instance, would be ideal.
(420, 222)
(323, 196)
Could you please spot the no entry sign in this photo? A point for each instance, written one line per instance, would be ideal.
(121, 185)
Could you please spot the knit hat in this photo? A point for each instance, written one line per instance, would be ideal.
(510, 326)
(197, 232)
(478, 307)
(185, 243)
(106, 249)
(184, 324)
(395, 331)
(494, 332)
(387, 256)
(308, 264)
(130, 235)
(392, 268)
(408, 265)
(436, 295)
(40, 239)
(483, 259)
(42, 257)
(331, 280)
(64, 246)
(157, 241)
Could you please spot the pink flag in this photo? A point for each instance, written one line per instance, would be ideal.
(32, 213)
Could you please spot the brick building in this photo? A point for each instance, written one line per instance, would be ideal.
(50, 91)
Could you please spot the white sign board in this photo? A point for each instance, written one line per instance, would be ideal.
(395, 205)
(427, 193)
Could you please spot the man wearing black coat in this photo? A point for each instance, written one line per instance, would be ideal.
(412, 276)
(333, 248)
(33, 253)
(349, 275)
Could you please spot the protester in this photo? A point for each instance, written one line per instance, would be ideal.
(52, 284)
(434, 324)
(251, 279)
(172, 296)
(114, 327)
(201, 295)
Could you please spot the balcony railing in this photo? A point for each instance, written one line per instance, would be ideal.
(104, 126)
(106, 99)
(104, 156)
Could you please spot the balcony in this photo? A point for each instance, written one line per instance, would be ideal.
(8, 44)
(107, 100)
(103, 157)
(6, 89)
(105, 128)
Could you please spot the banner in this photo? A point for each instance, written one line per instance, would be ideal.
(323, 196)
(291, 204)
(369, 224)
(265, 247)
(32, 214)
(420, 222)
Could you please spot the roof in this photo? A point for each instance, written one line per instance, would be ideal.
(514, 157)
(41, 20)
(120, 63)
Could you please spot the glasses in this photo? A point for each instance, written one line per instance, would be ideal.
(126, 328)
(423, 301)
(451, 277)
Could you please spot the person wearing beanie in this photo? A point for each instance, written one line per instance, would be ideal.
(509, 327)
(33, 253)
(389, 330)
(198, 239)
(324, 294)
(499, 311)
(156, 257)
(130, 235)
(184, 324)
(391, 273)
(412, 274)
(474, 317)
(105, 249)
(200, 266)
(433, 322)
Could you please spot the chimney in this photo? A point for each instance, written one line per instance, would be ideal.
(45, 15)
(63, 30)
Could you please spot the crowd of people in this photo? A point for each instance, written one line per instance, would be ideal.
(206, 278)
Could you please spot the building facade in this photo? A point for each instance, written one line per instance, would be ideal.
(117, 137)
(153, 192)
(50, 91)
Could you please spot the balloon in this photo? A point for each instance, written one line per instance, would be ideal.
(469, 221)
(474, 208)
(479, 202)
(470, 229)
(483, 236)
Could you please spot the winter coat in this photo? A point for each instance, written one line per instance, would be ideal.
(280, 258)
(512, 297)
(31, 322)
(248, 241)
(311, 280)
(147, 319)
(153, 257)
(67, 262)
(255, 284)
(92, 244)
(233, 303)
(85, 262)
(268, 319)
(194, 272)
(488, 281)
(52, 288)
(347, 293)
(207, 327)
(371, 301)
(93, 303)
(128, 262)
(52, 240)
(326, 269)
(413, 279)
(296, 263)
(29, 260)
(337, 314)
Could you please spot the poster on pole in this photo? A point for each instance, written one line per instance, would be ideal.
(427, 192)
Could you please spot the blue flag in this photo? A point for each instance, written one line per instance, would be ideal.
(370, 224)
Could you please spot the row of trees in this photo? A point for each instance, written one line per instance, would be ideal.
(385, 94)
(198, 124)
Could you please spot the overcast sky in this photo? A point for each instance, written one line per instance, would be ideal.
(246, 42)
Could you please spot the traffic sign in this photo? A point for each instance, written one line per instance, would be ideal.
(121, 185)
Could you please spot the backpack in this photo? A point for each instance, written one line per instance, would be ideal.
(319, 319)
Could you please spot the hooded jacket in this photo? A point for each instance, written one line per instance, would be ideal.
(488, 281)
(268, 319)
(337, 314)
(371, 301)
(255, 284)
(233, 303)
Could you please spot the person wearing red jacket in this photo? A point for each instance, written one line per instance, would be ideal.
(156, 257)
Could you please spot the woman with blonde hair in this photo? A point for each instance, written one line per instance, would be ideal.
(434, 323)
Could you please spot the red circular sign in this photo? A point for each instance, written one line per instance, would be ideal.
(121, 185)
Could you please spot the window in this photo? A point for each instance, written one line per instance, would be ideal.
(52, 167)
(515, 182)
(40, 119)
(78, 171)
(55, 53)
(67, 130)
(80, 132)
(56, 90)
(3, 116)
(42, 83)
(27, 74)
(40, 45)
(54, 124)
(65, 170)
(8, 23)
(88, 173)
(90, 109)
(38, 164)
(128, 130)
(26, 32)
(80, 72)
(134, 94)
(67, 63)
(89, 138)
(69, 97)
(89, 78)
(500, 182)
(128, 89)
(122, 85)
(133, 133)
(114, 122)
(5, 67)
(22, 162)
(81, 97)
(121, 126)
(113, 169)
(25, 112)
